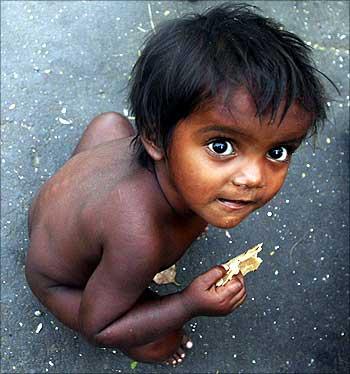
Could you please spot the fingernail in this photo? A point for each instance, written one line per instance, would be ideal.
(182, 355)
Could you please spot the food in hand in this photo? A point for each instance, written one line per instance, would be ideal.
(244, 263)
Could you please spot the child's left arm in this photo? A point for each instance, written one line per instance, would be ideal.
(115, 310)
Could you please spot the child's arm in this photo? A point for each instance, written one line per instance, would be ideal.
(112, 313)
(113, 309)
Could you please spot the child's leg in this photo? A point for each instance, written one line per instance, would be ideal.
(169, 349)
(104, 128)
(64, 302)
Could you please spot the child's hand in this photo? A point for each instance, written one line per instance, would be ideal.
(203, 298)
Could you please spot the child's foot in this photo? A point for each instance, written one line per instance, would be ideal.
(180, 353)
(170, 349)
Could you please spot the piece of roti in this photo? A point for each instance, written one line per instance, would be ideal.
(244, 263)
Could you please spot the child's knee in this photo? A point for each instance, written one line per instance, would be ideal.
(104, 128)
(114, 123)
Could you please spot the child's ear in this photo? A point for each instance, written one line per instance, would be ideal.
(153, 150)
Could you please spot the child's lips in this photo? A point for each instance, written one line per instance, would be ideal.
(234, 204)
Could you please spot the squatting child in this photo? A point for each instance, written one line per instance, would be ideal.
(221, 101)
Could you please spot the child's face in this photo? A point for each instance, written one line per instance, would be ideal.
(224, 165)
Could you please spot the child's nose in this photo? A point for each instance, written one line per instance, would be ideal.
(249, 173)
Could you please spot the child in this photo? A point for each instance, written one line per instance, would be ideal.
(221, 101)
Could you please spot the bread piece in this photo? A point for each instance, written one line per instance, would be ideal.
(244, 263)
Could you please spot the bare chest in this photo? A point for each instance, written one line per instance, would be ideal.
(178, 239)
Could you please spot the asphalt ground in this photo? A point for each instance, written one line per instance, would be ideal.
(62, 63)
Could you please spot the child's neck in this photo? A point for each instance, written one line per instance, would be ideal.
(172, 197)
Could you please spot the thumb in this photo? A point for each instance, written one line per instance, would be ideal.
(213, 275)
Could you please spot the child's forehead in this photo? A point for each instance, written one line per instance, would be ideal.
(240, 106)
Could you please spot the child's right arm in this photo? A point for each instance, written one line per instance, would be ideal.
(113, 313)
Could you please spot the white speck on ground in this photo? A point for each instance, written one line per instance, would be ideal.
(64, 121)
(39, 328)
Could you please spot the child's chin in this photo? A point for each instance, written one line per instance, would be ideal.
(227, 223)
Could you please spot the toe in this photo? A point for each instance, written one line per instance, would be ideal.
(173, 361)
(187, 342)
(177, 358)
(181, 353)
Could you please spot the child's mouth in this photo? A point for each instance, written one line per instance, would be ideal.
(234, 204)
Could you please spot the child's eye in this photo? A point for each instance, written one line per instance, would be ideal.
(278, 153)
(221, 147)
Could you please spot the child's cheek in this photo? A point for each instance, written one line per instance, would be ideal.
(274, 185)
(197, 180)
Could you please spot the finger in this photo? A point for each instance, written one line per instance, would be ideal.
(239, 294)
(239, 277)
(213, 275)
(230, 289)
(239, 301)
(237, 297)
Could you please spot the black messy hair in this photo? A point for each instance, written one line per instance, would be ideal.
(189, 60)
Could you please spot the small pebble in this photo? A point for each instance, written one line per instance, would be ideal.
(64, 121)
(38, 329)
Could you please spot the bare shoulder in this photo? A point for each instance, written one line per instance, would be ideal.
(82, 182)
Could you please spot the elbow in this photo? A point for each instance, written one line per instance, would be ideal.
(107, 337)
(89, 331)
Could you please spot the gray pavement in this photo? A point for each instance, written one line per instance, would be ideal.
(62, 63)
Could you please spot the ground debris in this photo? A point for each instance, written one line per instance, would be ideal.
(166, 276)
(39, 327)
